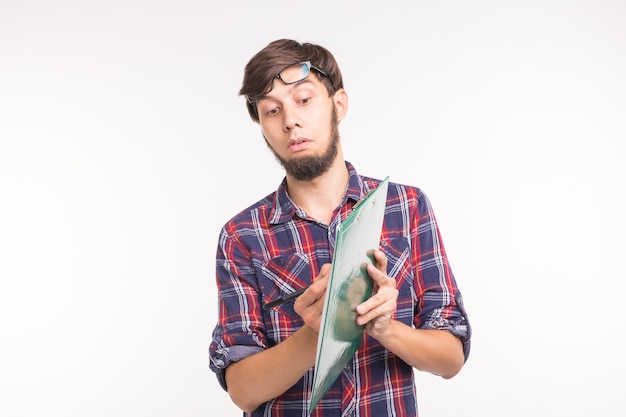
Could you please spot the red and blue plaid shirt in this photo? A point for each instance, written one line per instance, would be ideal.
(273, 248)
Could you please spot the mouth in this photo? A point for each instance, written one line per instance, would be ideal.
(297, 144)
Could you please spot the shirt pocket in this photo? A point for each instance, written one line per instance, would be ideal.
(284, 275)
(398, 252)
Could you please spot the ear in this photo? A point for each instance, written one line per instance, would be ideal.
(340, 98)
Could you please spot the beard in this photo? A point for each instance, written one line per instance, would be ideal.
(311, 167)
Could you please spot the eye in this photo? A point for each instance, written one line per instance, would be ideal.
(272, 111)
(305, 100)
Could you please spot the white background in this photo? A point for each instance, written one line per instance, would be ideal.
(124, 148)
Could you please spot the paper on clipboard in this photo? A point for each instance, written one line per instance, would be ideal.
(340, 337)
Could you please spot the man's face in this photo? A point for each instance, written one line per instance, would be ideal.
(300, 125)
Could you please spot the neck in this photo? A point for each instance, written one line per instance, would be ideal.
(320, 197)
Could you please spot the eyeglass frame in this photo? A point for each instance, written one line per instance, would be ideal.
(309, 66)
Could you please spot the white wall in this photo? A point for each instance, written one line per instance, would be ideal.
(124, 147)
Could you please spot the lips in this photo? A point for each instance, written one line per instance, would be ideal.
(298, 144)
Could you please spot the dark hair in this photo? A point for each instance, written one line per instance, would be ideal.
(263, 67)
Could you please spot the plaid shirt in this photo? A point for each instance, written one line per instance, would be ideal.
(274, 248)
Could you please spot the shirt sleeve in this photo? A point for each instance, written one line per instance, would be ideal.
(239, 332)
(440, 303)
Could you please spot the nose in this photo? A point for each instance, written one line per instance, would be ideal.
(291, 118)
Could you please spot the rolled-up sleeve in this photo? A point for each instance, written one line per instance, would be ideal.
(239, 331)
(440, 303)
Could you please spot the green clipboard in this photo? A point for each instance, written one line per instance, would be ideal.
(340, 337)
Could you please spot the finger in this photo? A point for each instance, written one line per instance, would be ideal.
(324, 271)
(317, 289)
(310, 306)
(385, 309)
(379, 277)
(312, 294)
(382, 296)
(381, 260)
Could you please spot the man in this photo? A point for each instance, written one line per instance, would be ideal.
(415, 317)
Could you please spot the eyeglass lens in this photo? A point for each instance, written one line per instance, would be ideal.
(295, 73)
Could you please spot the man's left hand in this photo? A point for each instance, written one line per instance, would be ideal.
(377, 311)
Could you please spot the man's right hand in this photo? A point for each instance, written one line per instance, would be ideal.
(310, 304)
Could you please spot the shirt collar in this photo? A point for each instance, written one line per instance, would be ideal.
(284, 209)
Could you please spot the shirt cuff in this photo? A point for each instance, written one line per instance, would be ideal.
(233, 354)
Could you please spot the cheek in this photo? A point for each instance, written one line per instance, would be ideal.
(269, 128)
(270, 138)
